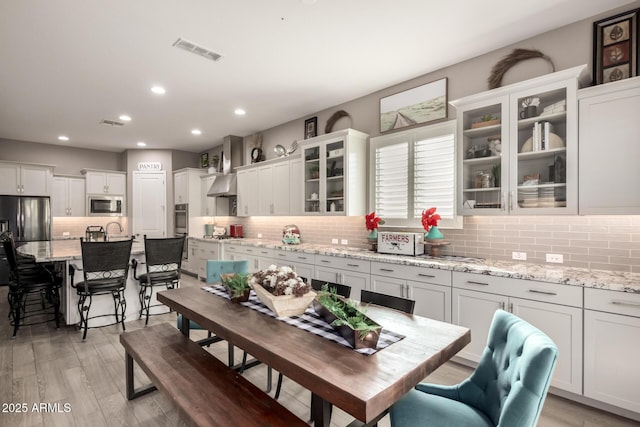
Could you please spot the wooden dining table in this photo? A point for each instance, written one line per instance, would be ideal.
(364, 386)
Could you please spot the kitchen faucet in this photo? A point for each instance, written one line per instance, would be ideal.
(106, 229)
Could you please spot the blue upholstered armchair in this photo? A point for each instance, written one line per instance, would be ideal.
(507, 389)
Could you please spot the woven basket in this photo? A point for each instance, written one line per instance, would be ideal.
(284, 305)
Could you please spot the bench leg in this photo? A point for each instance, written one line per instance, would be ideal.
(132, 393)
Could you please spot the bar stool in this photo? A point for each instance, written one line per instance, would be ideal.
(105, 268)
(28, 279)
(163, 259)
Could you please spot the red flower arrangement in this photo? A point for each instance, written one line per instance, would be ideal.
(372, 221)
(430, 218)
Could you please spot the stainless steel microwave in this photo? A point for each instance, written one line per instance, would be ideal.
(99, 205)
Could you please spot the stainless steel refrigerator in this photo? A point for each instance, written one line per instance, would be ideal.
(28, 219)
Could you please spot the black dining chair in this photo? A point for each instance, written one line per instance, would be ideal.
(163, 260)
(34, 289)
(389, 301)
(316, 285)
(342, 290)
(105, 268)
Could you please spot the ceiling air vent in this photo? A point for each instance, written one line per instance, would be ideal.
(198, 50)
(111, 123)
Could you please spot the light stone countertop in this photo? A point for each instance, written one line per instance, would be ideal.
(62, 250)
(602, 279)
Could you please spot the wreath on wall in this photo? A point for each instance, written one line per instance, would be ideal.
(333, 119)
(518, 55)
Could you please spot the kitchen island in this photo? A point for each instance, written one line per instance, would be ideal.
(65, 252)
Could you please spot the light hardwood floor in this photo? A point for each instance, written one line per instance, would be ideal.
(45, 365)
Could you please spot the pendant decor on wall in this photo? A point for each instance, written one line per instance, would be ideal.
(333, 119)
(498, 71)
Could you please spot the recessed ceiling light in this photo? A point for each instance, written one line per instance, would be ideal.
(63, 138)
(141, 144)
(240, 112)
(196, 131)
(125, 118)
(158, 90)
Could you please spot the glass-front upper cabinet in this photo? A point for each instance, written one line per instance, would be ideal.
(335, 173)
(517, 147)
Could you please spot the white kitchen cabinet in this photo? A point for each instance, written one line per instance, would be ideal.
(206, 250)
(611, 347)
(430, 288)
(247, 192)
(345, 271)
(609, 149)
(512, 161)
(264, 189)
(21, 179)
(193, 251)
(301, 262)
(295, 186)
(187, 189)
(105, 182)
(258, 258)
(554, 309)
(68, 198)
(335, 173)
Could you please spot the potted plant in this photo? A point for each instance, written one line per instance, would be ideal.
(282, 290)
(347, 319)
(486, 120)
(237, 285)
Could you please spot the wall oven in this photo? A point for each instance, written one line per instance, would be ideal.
(181, 220)
(99, 205)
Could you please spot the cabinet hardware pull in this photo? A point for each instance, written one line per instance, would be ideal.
(502, 305)
(386, 269)
(538, 291)
(511, 200)
(324, 260)
(503, 205)
(249, 250)
(477, 283)
(353, 265)
(621, 302)
(302, 257)
(426, 275)
(281, 255)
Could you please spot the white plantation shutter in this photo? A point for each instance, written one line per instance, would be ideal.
(414, 171)
(392, 180)
(433, 176)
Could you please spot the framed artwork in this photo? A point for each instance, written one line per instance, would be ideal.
(615, 47)
(422, 104)
(204, 160)
(311, 127)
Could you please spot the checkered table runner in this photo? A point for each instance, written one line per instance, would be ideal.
(309, 321)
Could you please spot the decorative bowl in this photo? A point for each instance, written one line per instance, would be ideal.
(284, 305)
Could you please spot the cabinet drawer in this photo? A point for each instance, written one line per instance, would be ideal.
(627, 303)
(361, 266)
(257, 251)
(410, 272)
(299, 257)
(520, 288)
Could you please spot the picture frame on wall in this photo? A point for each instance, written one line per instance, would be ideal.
(422, 104)
(311, 127)
(204, 160)
(615, 47)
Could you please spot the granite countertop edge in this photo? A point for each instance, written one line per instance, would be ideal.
(600, 279)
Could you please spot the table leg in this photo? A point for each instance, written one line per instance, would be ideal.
(320, 411)
(185, 327)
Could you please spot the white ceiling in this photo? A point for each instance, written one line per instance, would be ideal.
(67, 64)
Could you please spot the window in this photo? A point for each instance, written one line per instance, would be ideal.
(413, 171)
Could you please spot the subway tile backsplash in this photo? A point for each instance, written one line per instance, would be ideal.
(596, 242)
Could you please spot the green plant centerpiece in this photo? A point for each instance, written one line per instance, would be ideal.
(347, 318)
(237, 286)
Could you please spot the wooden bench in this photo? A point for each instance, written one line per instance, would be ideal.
(206, 391)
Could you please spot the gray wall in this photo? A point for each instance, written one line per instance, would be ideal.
(567, 46)
(67, 160)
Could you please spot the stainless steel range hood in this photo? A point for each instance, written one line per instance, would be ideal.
(225, 184)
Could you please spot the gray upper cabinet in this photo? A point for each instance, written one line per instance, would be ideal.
(609, 150)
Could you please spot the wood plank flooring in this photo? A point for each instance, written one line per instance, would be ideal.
(63, 381)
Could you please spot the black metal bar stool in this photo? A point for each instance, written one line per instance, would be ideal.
(163, 259)
(105, 268)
